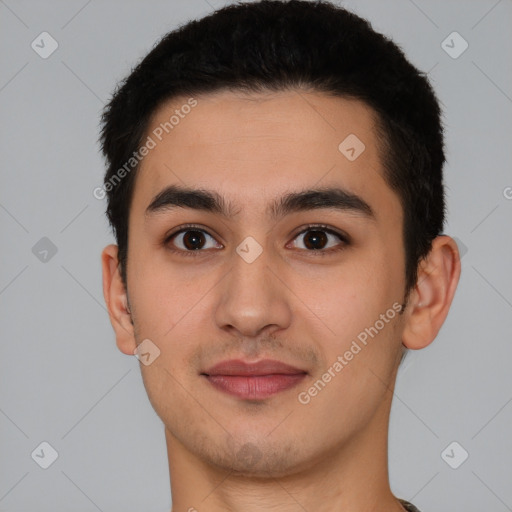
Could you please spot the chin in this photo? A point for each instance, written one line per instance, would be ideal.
(260, 460)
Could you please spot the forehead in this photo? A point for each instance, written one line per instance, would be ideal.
(252, 146)
(234, 120)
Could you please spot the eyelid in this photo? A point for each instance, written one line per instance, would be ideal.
(345, 240)
(187, 227)
(183, 229)
(323, 227)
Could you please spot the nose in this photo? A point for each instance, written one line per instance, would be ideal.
(253, 297)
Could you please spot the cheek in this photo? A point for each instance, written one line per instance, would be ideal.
(176, 329)
(348, 296)
(163, 293)
(360, 309)
(171, 307)
(357, 305)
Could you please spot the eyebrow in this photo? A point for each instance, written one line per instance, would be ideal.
(177, 196)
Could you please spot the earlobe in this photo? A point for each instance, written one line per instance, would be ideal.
(430, 301)
(116, 300)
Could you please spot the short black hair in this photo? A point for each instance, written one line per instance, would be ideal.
(273, 45)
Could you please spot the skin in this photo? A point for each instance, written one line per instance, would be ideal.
(289, 304)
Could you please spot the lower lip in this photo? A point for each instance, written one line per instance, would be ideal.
(256, 387)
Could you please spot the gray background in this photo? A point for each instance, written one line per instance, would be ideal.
(62, 379)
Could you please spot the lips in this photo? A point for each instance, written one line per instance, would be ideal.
(255, 381)
(242, 368)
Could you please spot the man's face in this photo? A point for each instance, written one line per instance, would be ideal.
(304, 300)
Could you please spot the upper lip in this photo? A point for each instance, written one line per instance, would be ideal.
(263, 367)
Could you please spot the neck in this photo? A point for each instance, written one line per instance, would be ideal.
(352, 477)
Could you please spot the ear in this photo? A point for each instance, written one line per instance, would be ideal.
(116, 299)
(430, 301)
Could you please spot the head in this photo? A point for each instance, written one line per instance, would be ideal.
(278, 46)
(251, 103)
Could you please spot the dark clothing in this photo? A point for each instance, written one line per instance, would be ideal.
(408, 506)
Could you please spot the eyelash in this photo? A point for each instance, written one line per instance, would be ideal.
(309, 227)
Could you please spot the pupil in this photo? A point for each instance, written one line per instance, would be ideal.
(315, 237)
(195, 239)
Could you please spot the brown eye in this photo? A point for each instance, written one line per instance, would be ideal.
(315, 239)
(321, 239)
(191, 239)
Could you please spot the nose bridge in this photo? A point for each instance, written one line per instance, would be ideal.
(250, 275)
(249, 268)
(252, 297)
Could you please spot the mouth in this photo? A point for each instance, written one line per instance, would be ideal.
(253, 381)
